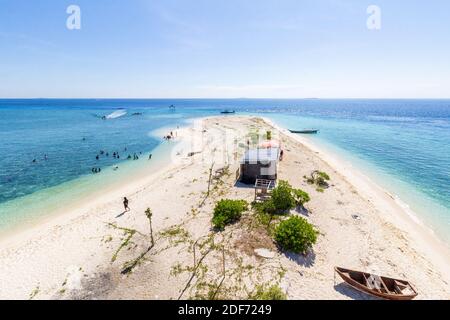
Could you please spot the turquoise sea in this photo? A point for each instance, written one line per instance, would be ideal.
(49, 147)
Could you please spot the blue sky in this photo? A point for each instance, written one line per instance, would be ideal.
(225, 49)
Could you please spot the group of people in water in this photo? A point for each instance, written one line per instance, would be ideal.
(96, 170)
(116, 155)
(134, 157)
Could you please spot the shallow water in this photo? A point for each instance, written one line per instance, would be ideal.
(403, 144)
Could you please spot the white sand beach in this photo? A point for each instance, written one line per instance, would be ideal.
(85, 252)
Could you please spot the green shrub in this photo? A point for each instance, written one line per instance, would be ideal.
(264, 211)
(282, 197)
(228, 211)
(323, 175)
(296, 235)
(268, 293)
(266, 206)
(301, 197)
(319, 178)
(269, 135)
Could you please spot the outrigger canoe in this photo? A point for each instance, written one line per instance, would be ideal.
(381, 287)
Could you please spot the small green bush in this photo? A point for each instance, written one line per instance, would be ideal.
(264, 211)
(266, 206)
(301, 197)
(319, 178)
(282, 197)
(296, 235)
(268, 293)
(269, 135)
(227, 211)
(324, 175)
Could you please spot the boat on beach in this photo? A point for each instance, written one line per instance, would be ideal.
(378, 286)
(305, 131)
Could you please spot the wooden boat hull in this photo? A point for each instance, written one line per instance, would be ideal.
(381, 287)
(305, 131)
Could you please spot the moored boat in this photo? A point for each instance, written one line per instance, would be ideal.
(378, 286)
(228, 112)
(305, 131)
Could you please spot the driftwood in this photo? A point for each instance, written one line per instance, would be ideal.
(196, 266)
(129, 232)
(132, 264)
(223, 277)
(209, 185)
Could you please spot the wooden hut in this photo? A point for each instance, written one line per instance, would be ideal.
(259, 164)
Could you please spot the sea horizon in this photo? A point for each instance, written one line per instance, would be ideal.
(226, 98)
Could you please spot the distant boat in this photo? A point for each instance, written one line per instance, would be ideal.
(115, 114)
(172, 107)
(305, 131)
(228, 112)
(381, 287)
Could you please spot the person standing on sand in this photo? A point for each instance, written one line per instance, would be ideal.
(125, 204)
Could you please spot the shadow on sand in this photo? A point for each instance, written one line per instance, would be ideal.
(121, 214)
(354, 294)
(303, 211)
(242, 185)
(305, 261)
